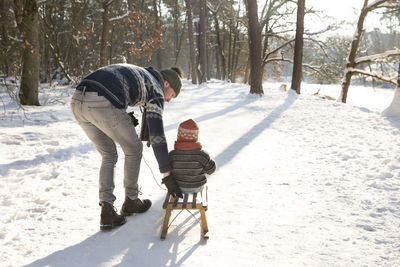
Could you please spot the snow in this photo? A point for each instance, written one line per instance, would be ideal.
(394, 109)
(301, 181)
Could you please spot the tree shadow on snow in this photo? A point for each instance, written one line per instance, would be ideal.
(233, 149)
(395, 121)
(19, 118)
(137, 243)
(61, 155)
(241, 103)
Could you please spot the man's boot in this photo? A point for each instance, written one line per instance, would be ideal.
(134, 206)
(109, 217)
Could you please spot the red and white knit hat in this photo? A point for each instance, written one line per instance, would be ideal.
(188, 134)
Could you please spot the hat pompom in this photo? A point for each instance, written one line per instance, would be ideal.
(178, 70)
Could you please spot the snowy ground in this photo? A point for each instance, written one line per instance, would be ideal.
(302, 181)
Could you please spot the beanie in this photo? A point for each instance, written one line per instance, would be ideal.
(188, 134)
(173, 76)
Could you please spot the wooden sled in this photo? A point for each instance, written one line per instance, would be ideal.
(189, 202)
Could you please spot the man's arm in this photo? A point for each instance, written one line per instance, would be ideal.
(157, 136)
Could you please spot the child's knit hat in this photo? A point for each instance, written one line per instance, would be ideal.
(188, 134)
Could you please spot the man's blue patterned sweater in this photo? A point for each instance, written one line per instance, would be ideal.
(129, 85)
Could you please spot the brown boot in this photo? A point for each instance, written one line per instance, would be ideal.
(109, 218)
(134, 206)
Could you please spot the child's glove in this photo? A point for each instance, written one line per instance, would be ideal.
(172, 185)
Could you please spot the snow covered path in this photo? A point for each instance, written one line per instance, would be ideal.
(302, 181)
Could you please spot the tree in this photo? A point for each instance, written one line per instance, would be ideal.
(27, 18)
(353, 61)
(202, 73)
(275, 41)
(276, 37)
(235, 45)
(254, 32)
(330, 57)
(143, 33)
(158, 54)
(6, 43)
(298, 47)
(192, 52)
(105, 36)
(221, 66)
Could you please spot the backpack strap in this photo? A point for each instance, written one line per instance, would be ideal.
(144, 129)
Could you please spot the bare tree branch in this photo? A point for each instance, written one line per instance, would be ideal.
(328, 28)
(120, 17)
(281, 59)
(375, 75)
(216, 9)
(58, 62)
(376, 57)
(263, 10)
(277, 49)
(375, 5)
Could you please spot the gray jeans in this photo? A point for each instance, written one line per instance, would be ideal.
(104, 125)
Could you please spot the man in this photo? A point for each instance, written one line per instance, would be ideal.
(99, 105)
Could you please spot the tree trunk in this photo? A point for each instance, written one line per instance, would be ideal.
(298, 47)
(110, 46)
(236, 61)
(176, 16)
(246, 73)
(158, 25)
(398, 77)
(353, 53)
(217, 65)
(208, 64)
(105, 36)
(202, 42)
(4, 40)
(233, 54)
(197, 63)
(220, 51)
(191, 41)
(266, 38)
(45, 58)
(254, 32)
(180, 40)
(29, 93)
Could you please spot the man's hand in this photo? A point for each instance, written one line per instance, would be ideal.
(133, 118)
(172, 185)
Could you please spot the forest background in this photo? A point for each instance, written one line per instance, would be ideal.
(46, 41)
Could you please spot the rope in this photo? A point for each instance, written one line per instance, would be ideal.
(154, 177)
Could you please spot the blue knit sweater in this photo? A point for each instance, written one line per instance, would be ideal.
(129, 85)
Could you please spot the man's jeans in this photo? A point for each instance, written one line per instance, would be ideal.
(104, 125)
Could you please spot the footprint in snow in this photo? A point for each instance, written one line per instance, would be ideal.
(366, 227)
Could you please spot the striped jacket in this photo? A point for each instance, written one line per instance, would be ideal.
(190, 166)
(129, 85)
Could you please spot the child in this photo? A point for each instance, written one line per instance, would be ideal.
(189, 162)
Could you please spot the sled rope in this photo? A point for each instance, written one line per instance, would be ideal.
(152, 173)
